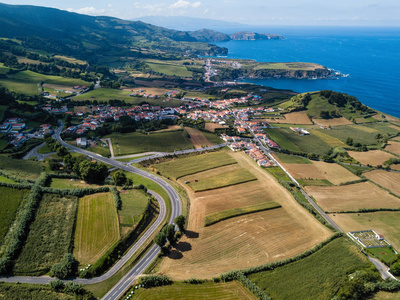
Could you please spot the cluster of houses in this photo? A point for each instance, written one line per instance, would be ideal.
(55, 110)
(235, 143)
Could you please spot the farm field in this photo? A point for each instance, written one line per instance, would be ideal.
(132, 143)
(219, 291)
(291, 159)
(393, 147)
(11, 200)
(197, 138)
(383, 222)
(27, 82)
(290, 140)
(352, 197)
(317, 276)
(332, 122)
(321, 170)
(218, 178)
(372, 157)
(358, 135)
(189, 165)
(212, 126)
(50, 235)
(234, 212)
(297, 118)
(96, 227)
(134, 203)
(25, 169)
(389, 180)
(243, 241)
(330, 140)
(16, 291)
(6, 179)
(170, 70)
(64, 183)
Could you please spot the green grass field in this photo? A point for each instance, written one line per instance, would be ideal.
(26, 82)
(190, 165)
(359, 136)
(287, 66)
(317, 276)
(6, 179)
(290, 159)
(170, 69)
(64, 183)
(235, 212)
(217, 181)
(50, 235)
(133, 205)
(44, 150)
(384, 254)
(9, 204)
(104, 151)
(96, 227)
(287, 139)
(21, 168)
(278, 173)
(17, 291)
(319, 182)
(209, 290)
(132, 143)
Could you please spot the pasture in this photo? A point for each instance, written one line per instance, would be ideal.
(134, 203)
(288, 139)
(383, 222)
(209, 290)
(332, 172)
(26, 169)
(197, 138)
(291, 159)
(180, 167)
(246, 240)
(235, 212)
(332, 122)
(218, 178)
(372, 157)
(6, 179)
(10, 201)
(317, 276)
(358, 135)
(170, 69)
(64, 183)
(50, 235)
(96, 227)
(352, 197)
(132, 143)
(389, 180)
(330, 140)
(297, 118)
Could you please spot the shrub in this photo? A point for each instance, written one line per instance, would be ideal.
(66, 268)
(154, 280)
(57, 285)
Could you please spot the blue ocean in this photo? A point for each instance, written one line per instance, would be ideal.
(370, 55)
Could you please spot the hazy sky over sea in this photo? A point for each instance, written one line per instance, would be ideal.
(252, 12)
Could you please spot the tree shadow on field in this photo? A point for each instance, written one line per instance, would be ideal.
(174, 254)
(191, 234)
(183, 246)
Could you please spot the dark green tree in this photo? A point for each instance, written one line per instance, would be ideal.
(66, 268)
(180, 222)
(119, 178)
(160, 239)
(169, 232)
(92, 172)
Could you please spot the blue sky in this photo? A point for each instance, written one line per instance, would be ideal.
(252, 12)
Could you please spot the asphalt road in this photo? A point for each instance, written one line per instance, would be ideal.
(126, 281)
(34, 153)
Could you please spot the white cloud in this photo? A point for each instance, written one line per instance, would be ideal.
(90, 10)
(185, 4)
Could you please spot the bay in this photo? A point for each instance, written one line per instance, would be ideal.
(370, 55)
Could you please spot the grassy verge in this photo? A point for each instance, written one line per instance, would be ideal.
(231, 213)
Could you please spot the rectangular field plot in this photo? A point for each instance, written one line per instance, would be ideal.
(218, 178)
(96, 227)
(189, 165)
(64, 183)
(134, 203)
(50, 235)
(332, 122)
(372, 157)
(245, 240)
(217, 291)
(383, 222)
(389, 180)
(200, 139)
(317, 276)
(291, 159)
(10, 201)
(393, 147)
(26, 169)
(132, 143)
(334, 173)
(352, 197)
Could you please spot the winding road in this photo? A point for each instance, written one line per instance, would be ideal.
(145, 261)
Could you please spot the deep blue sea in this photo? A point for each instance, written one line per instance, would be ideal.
(371, 57)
